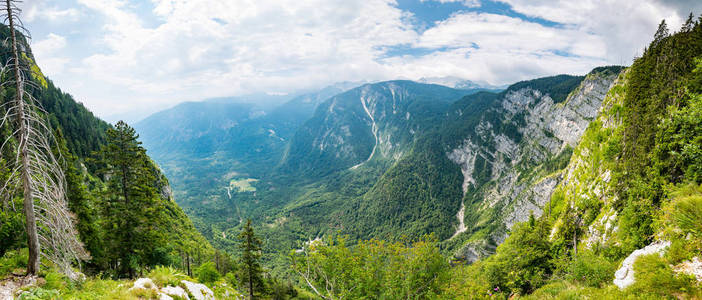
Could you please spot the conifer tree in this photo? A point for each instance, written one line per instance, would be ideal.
(250, 267)
(130, 207)
(661, 33)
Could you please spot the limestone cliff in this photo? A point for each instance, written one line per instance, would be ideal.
(519, 171)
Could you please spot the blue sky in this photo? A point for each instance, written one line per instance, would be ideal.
(134, 57)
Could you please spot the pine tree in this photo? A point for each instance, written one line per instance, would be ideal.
(250, 267)
(131, 205)
(689, 24)
(661, 33)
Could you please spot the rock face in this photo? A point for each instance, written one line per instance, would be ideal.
(175, 291)
(624, 277)
(507, 162)
(374, 120)
(198, 290)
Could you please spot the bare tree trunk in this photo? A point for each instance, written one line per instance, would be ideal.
(31, 222)
(187, 262)
(251, 291)
(575, 241)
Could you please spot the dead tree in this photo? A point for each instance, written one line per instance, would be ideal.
(35, 170)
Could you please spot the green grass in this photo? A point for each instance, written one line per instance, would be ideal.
(165, 276)
(13, 262)
(243, 185)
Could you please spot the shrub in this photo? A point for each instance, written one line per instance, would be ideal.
(39, 293)
(165, 276)
(687, 215)
(591, 270)
(656, 278)
(54, 281)
(231, 279)
(11, 229)
(207, 273)
(523, 262)
(13, 260)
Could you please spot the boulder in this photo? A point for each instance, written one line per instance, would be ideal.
(198, 290)
(624, 277)
(162, 296)
(145, 284)
(175, 291)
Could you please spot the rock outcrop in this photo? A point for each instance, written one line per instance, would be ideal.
(144, 284)
(198, 290)
(175, 291)
(624, 276)
(507, 163)
(691, 267)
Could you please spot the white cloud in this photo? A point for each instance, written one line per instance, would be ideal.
(45, 52)
(39, 9)
(467, 3)
(195, 49)
(625, 27)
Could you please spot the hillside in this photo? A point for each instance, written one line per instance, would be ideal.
(402, 159)
(81, 139)
(584, 186)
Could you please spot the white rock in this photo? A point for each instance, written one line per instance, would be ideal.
(624, 277)
(199, 290)
(693, 267)
(162, 296)
(144, 283)
(175, 291)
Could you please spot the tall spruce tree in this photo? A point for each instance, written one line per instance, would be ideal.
(250, 271)
(131, 207)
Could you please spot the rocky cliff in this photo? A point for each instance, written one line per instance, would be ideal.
(509, 175)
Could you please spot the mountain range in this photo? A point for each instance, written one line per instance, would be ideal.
(388, 160)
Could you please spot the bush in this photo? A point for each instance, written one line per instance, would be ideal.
(207, 273)
(523, 262)
(281, 290)
(11, 229)
(13, 260)
(656, 278)
(687, 215)
(231, 279)
(54, 281)
(165, 276)
(591, 270)
(39, 293)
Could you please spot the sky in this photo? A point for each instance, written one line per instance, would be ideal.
(129, 58)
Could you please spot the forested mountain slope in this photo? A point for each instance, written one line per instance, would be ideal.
(630, 190)
(376, 119)
(602, 198)
(167, 235)
(401, 159)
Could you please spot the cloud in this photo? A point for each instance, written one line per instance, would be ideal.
(149, 55)
(625, 27)
(38, 9)
(467, 3)
(45, 50)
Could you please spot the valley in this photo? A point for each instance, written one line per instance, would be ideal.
(407, 182)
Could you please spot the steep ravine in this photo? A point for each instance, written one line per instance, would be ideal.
(374, 129)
